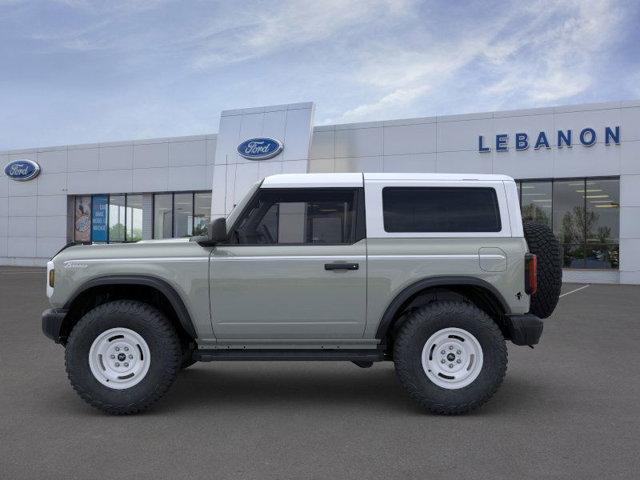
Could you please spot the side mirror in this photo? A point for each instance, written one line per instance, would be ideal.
(218, 230)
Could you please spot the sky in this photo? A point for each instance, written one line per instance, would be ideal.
(80, 71)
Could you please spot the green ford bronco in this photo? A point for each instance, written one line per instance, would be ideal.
(431, 271)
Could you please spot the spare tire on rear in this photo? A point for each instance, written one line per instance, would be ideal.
(546, 247)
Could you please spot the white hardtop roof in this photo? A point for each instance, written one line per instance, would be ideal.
(302, 180)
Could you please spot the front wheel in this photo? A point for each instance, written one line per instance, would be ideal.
(451, 357)
(122, 356)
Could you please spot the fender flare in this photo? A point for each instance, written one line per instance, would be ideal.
(145, 280)
(431, 282)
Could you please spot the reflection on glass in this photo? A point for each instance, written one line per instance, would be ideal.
(602, 256)
(162, 215)
(134, 218)
(183, 215)
(603, 211)
(116, 218)
(201, 213)
(573, 256)
(536, 202)
(568, 211)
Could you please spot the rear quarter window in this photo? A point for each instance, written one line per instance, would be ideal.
(440, 209)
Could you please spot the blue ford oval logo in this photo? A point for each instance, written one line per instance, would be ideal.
(260, 148)
(22, 170)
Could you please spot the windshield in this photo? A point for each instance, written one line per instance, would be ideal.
(239, 207)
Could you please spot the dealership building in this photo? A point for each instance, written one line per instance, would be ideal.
(577, 169)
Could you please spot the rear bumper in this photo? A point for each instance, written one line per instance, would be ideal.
(524, 329)
(52, 320)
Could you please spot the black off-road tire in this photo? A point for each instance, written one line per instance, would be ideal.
(416, 331)
(153, 327)
(546, 247)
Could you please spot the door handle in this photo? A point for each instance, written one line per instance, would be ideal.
(341, 266)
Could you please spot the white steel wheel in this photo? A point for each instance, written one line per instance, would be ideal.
(452, 358)
(119, 358)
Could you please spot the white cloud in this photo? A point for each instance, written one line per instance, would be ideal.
(288, 24)
(544, 52)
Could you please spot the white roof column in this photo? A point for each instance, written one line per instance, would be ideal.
(233, 174)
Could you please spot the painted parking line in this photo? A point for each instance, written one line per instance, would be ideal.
(574, 291)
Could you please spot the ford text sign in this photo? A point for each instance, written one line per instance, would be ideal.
(22, 170)
(260, 148)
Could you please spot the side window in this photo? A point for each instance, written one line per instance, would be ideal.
(298, 217)
(440, 209)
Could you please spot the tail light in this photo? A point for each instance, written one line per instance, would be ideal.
(530, 273)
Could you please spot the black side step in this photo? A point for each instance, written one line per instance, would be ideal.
(289, 355)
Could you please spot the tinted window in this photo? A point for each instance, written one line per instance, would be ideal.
(312, 216)
(440, 209)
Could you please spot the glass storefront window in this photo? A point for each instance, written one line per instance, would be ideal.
(536, 202)
(162, 215)
(117, 218)
(568, 211)
(584, 215)
(603, 223)
(201, 212)
(134, 218)
(183, 215)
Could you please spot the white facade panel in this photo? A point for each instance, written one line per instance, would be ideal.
(630, 119)
(410, 139)
(22, 227)
(21, 207)
(52, 183)
(22, 247)
(46, 247)
(150, 180)
(358, 142)
(83, 158)
(630, 157)
(151, 155)
(52, 226)
(322, 145)
(117, 157)
(23, 189)
(188, 178)
(463, 135)
(630, 191)
(53, 161)
(321, 165)
(463, 162)
(358, 164)
(51, 205)
(100, 181)
(188, 153)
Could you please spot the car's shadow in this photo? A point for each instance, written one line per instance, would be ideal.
(308, 385)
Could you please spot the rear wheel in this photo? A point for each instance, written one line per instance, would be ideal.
(450, 356)
(122, 356)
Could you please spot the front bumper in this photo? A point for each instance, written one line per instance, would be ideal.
(52, 320)
(524, 329)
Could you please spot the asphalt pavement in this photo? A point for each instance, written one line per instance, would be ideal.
(570, 408)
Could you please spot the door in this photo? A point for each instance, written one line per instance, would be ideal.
(294, 267)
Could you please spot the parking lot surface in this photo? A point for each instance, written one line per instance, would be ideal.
(570, 408)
